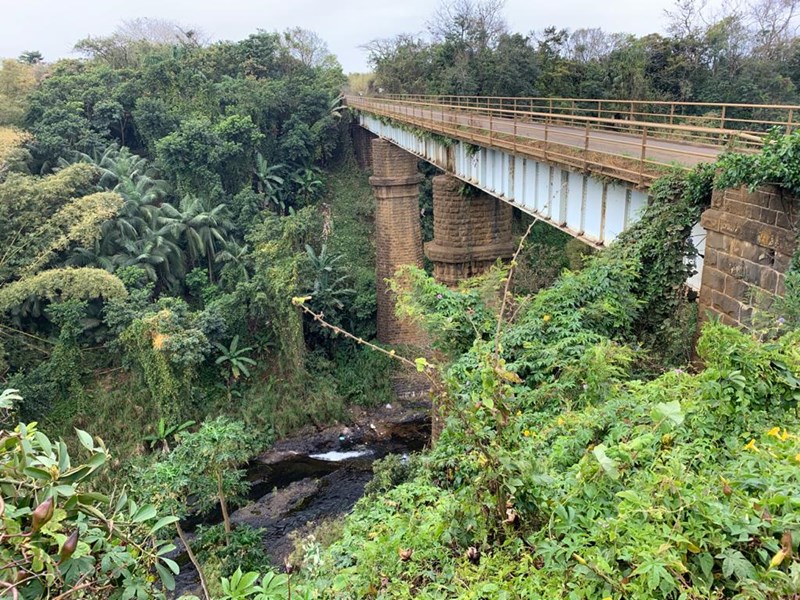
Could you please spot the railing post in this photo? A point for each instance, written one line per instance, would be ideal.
(643, 156)
(599, 109)
(515, 130)
(546, 125)
(490, 127)
(789, 122)
(671, 113)
(586, 148)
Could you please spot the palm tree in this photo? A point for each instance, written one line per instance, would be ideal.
(234, 362)
(337, 106)
(268, 182)
(308, 184)
(133, 236)
(157, 255)
(329, 288)
(233, 257)
(201, 226)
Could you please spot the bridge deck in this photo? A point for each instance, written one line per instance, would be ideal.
(633, 151)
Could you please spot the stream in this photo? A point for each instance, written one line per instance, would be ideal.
(315, 475)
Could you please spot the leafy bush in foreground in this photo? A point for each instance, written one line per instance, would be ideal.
(682, 487)
(58, 537)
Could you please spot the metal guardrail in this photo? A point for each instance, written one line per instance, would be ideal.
(631, 140)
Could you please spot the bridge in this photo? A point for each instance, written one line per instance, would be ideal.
(582, 165)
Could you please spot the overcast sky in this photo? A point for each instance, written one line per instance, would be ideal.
(53, 26)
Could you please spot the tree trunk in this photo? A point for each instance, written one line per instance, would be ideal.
(224, 506)
(193, 558)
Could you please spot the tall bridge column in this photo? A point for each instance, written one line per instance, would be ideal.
(470, 231)
(362, 145)
(398, 233)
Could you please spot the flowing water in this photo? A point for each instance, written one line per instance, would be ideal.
(310, 479)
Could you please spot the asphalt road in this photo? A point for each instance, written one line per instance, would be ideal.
(608, 142)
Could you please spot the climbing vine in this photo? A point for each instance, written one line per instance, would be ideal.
(660, 243)
(778, 163)
(418, 132)
(166, 352)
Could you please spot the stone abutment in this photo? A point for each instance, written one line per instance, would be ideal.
(751, 239)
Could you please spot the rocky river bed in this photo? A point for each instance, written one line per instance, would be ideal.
(319, 474)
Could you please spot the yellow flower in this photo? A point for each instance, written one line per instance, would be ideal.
(797, 457)
(526, 433)
(546, 318)
(751, 445)
(774, 432)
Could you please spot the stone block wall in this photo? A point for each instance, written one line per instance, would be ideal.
(470, 231)
(750, 242)
(398, 233)
(362, 146)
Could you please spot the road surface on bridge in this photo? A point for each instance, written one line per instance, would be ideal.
(614, 143)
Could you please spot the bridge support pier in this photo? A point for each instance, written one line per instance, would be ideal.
(362, 145)
(398, 233)
(471, 230)
(750, 243)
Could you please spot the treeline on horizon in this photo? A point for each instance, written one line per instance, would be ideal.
(745, 52)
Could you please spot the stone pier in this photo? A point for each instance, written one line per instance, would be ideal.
(398, 233)
(362, 146)
(471, 230)
(749, 246)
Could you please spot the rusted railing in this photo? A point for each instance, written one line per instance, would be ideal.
(627, 139)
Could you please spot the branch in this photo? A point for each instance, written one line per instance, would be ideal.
(318, 317)
(506, 292)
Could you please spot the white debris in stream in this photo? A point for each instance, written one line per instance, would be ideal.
(335, 456)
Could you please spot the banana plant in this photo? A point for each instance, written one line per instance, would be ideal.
(164, 432)
(234, 361)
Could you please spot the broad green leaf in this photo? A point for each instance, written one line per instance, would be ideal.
(606, 463)
(64, 490)
(668, 411)
(173, 566)
(145, 513)
(85, 439)
(166, 577)
(37, 473)
(163, 522)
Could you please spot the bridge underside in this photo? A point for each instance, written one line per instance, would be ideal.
(582, 205)
(591, 209)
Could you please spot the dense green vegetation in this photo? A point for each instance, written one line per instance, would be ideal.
(562, 472)
(177, 209)
(182, 232)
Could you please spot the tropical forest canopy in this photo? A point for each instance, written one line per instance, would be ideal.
(184, 236)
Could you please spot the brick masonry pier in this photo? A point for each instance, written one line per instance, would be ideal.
(750, 243)
(471, 230)
(398, 233)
